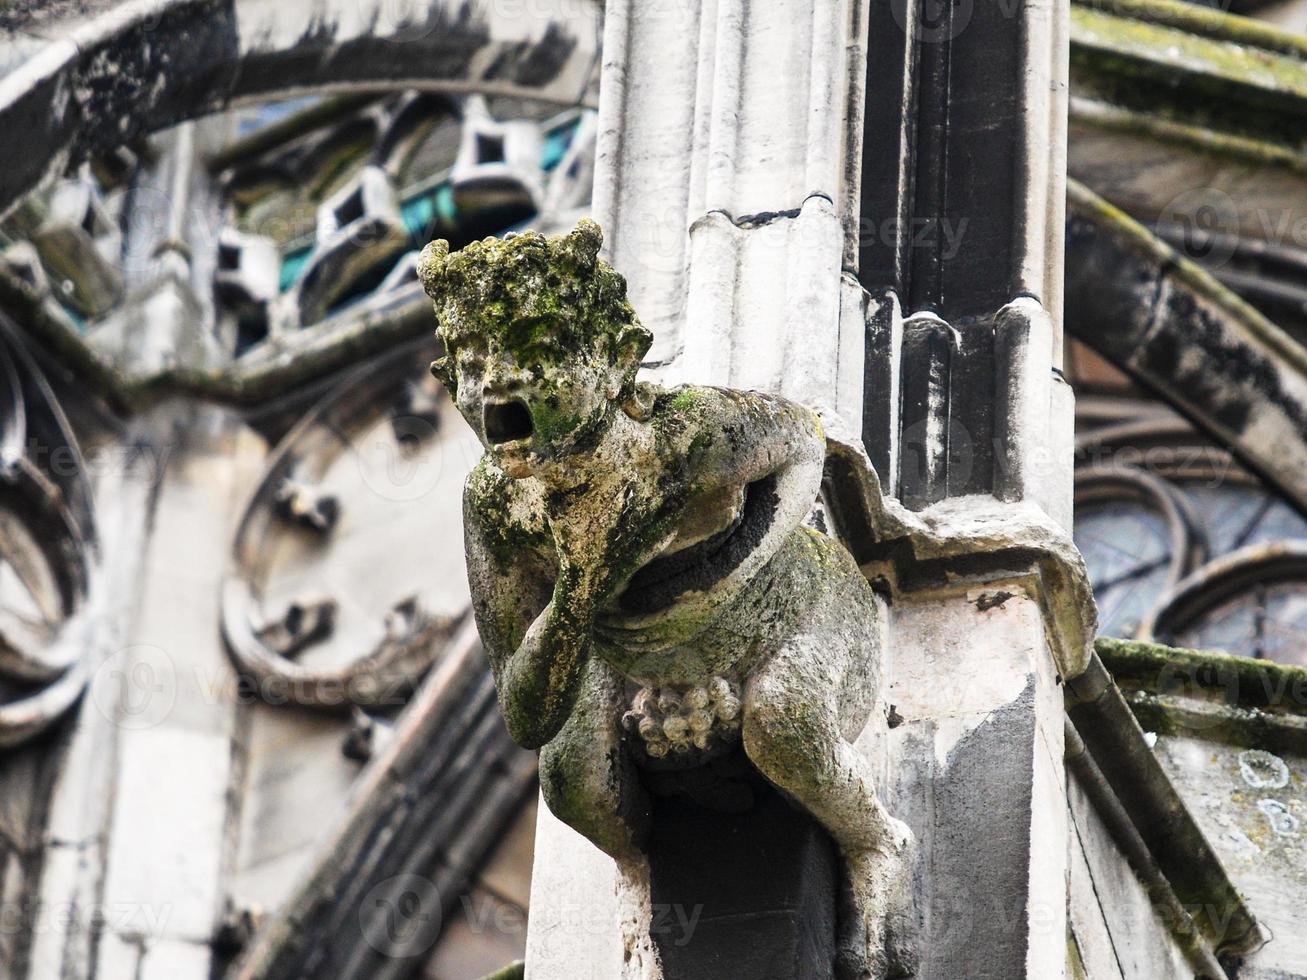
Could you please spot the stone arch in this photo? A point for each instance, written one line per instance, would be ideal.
(152, 63)
(1200, 348)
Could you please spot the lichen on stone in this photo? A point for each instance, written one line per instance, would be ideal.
(622, 536)
(533, 294)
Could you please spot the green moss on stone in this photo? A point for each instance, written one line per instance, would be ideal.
(1138, 46)
(1255, 683)
(532, 294)
(514, 971)
(552, 424)
(1243, 85)
(505, 537)
(1201, 21)
(684, 400)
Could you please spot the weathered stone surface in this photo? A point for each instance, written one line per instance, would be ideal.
(135, 70)
(1236, 374)
(1229, 733)
(976, 771)
(623, 536)
(1114, 921)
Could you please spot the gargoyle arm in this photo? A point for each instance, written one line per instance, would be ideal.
(756, 436)
(533, 619)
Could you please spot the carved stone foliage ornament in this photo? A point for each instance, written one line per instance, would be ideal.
(642, 578)
(319, 607)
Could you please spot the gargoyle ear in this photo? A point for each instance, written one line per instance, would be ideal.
(431, 265)
(633, 343)
(583, 243)
(442, 369)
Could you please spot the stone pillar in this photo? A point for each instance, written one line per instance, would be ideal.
(751, 158)
(969, 425)
(141, 818)
(725, 192)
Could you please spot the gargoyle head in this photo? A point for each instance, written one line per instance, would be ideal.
(540, 342)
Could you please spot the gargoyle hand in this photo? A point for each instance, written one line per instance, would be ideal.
(604, 536)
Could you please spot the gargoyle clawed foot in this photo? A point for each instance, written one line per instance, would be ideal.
(878, 938)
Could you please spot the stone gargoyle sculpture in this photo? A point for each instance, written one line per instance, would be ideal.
(641, 575)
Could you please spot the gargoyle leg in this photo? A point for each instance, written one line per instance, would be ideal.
(590, 784)
(586, 775)
(792, 734)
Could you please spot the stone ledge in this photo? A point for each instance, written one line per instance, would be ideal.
(957, 543)
(1111, 756)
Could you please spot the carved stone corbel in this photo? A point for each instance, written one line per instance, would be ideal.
(658, 617)
(959, 539)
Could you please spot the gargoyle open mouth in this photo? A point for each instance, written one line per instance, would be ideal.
(507, 421)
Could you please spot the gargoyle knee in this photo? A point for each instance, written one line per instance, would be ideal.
(785, 738)
(593, 795)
